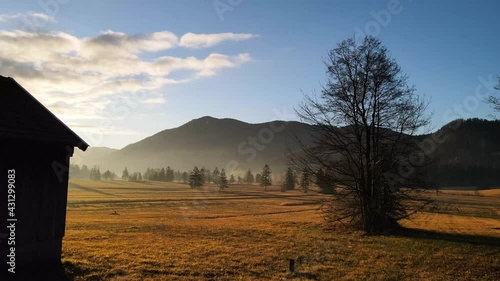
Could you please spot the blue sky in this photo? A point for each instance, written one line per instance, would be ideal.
(273, 54)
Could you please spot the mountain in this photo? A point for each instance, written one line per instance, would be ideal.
(468, 155)
(465, 152)
(470, 142)
(212, 142)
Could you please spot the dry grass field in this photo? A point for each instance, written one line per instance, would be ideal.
(119, 231)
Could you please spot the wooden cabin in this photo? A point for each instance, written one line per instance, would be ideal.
(35, 150)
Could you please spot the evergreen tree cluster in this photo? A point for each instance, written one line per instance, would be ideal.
(200, 177)
(162, 174)
(95, 173)
(108, 175)
(249, 178)
(83, 172)
(135, 177)
(77, 172)
(324, 184)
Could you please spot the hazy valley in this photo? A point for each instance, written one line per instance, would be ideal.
(465, 152)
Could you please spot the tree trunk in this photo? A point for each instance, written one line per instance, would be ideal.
(377, 221)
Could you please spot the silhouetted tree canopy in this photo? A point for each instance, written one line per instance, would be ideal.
(363, 121)
(495, 101)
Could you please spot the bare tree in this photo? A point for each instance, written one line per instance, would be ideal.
(494, 101)
(364, 121)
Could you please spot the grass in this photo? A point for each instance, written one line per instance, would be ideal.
(165, 231)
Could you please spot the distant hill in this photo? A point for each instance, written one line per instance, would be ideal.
(212, 142)
(469, 154)
(470, 142)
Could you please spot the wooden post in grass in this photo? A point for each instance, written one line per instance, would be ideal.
(292, 265)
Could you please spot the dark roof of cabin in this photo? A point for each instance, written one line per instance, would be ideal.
(22, 117)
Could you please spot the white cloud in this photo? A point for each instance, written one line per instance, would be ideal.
(202, 67)
(81, 78)
(121, 44)
(192, 40)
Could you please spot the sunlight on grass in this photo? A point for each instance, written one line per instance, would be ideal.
(164, 231)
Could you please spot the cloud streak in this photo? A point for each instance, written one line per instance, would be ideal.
(30, 21)
(23, 18)
(81, 77)
(196, 41)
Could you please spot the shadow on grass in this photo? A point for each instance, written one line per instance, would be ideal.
(50, 271)
(449, 237)
(89, 189)
(53, 271)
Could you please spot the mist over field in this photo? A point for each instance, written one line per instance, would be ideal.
(208, 142)
(469, 156)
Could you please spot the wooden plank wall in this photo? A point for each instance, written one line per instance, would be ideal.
(41, 198)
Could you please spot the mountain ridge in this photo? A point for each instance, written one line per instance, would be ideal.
(237, 146)
(210, 138)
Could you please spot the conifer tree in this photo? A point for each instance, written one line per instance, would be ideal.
(305, 180)
(125, 174)
(106, 175)
(169, 176)
(289, 179)
(162, 175)
(222, 180)
(323, 183)
(249, 177)
(196, 178)
(84, 172)
(216, 175)
(265, 178)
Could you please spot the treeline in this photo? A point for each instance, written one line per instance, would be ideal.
(292, 179)
(93, 173)
(158, 174)
(305, 179)
(197, 178)
(469, 155)
(200, 177)
(457, 175)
